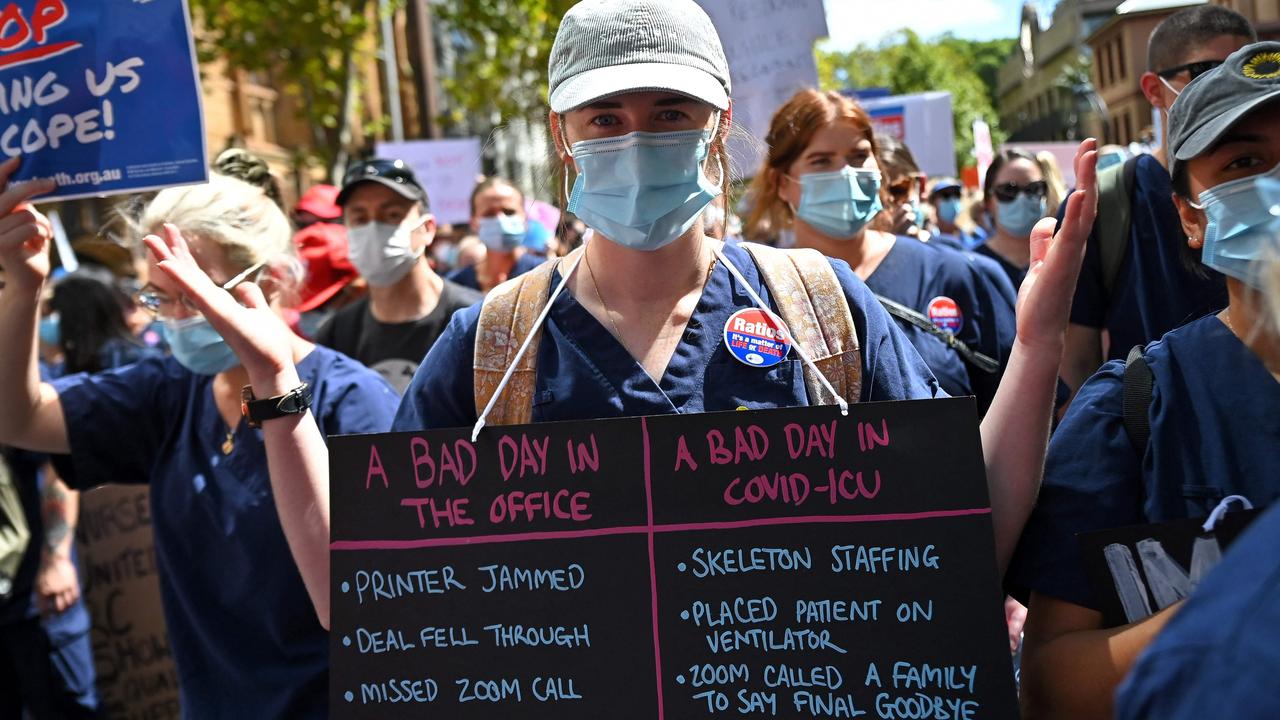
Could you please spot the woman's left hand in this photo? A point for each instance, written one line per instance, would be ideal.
(1044, 302)
(258, 336)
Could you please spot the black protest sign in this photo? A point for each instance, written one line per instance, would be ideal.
(780, 563)
(1139, 570)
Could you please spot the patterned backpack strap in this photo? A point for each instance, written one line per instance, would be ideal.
(506, 317)
(812, 304)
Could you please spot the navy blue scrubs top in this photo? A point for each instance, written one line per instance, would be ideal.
(1219, 653)
(915, 274)
(1215, 431)
(585, 373)
(1015, 274)
(242, 629)
(1154, 291)
(467, 277)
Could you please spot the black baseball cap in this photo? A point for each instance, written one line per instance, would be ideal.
(394, 174)
(1214, 102)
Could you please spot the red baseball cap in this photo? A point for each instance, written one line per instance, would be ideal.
(321, 201)
(323, 248)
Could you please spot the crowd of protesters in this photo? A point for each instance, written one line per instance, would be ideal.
(352, 313)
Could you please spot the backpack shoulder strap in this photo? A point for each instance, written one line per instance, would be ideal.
(1115, 187)
(506, 317)
(1138, 381)
(812, 304)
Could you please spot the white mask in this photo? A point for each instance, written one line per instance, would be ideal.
(383, 253)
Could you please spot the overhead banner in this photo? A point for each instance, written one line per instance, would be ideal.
(769, 46)
(779, 563)
(922, 122)
(448, 169)
(102, 97)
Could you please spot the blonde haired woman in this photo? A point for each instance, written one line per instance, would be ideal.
(241, 554)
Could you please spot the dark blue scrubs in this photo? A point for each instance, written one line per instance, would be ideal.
(46, 664)
(1015, 274)
(1219, 654)
(1215, 431)
(467, 277)
(584, 372)
(1154, 291)
(244, 634)
(915, 274)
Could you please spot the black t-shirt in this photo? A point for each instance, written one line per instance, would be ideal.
(393, 350)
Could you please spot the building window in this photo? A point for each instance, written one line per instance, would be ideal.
(1124, 69)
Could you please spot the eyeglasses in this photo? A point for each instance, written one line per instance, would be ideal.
(948, 194)
(1009, 191)
(1193, 70)
(901, 189)
(162, 307)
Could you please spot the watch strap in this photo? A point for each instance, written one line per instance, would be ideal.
(256, 412)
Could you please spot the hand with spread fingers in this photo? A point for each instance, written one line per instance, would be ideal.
(24, 231)
(246, 321)
(1044, 301)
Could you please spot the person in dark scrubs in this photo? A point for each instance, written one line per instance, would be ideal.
(822, 143)
(1016, 194)
(1159, 284)
(242, 548)
(1213, 426)
(638, 328)
(498, 219)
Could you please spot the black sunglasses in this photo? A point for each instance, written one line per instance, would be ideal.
(1193, 70)
(1009, 191)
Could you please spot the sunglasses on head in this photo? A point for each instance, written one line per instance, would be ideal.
(1193, 70)
(395, 170)
(1009, 191)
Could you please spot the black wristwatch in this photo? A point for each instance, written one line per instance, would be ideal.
(255, 411)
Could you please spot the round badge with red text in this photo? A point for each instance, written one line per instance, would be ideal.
(757, 339)
(945, 313)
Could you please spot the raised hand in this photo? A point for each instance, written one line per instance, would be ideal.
(24, 232)
(1044, 301)
(253, 330)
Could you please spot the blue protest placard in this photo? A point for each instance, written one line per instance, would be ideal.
(103, 96)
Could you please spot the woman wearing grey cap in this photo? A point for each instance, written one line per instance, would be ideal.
(639, 110)
(1189, 420)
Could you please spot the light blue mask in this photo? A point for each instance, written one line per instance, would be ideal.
(948, 210)
(502, 232)
(51, 329)
(642, 190)
(198, 347)
(1019, 216)
(1244, 220)
(840, 203)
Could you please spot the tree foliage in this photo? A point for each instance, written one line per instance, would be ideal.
(502, 48)
(904, 63)
(308, 48)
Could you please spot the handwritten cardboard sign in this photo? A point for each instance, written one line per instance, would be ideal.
(136, 675)
(781, 563)
(87, 89)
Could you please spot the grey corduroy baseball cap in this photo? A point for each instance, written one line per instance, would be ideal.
(1214, 102)
(610, 47)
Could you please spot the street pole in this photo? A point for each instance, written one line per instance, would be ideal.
(389, 64)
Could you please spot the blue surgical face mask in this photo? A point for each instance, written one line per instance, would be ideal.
(198, 347)
(1020, 215)
(502, 232)
(1244, 220)
(948, 210)
(840, 203)
(51, 329)
(642, 190)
